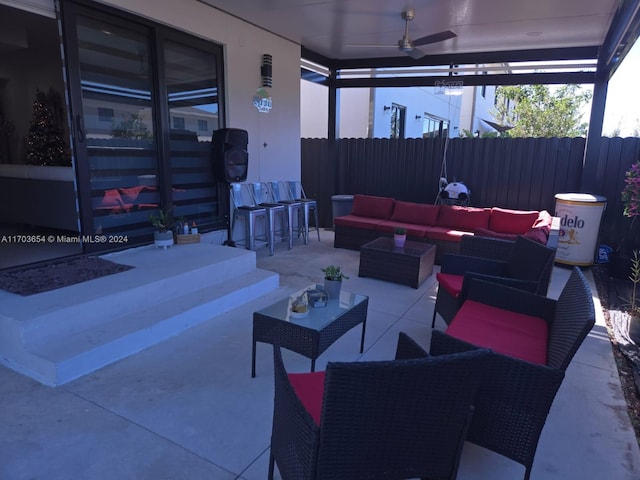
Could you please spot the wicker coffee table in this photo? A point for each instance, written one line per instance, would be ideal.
(409, 265)
(312, 335)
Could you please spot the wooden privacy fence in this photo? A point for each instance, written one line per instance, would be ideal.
(519, 173)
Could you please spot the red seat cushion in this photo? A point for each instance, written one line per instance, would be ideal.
(451, 283)
(355, 221)
(512, 334)
(309, 388)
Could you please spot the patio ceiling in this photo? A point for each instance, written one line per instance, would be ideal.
(331, 28)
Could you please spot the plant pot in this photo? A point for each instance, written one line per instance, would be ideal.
(163, 239)
(398, 240)
(332, 287)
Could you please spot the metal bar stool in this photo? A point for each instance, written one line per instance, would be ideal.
(260, 193)
(245, 208)
(294, 208)
(297, 194)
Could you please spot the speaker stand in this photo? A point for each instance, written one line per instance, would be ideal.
(228, 242)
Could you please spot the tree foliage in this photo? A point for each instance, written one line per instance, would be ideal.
(539, 111)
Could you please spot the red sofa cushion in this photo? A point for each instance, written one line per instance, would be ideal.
(416, 213)
(463, 218)
(451, 283)
(445, 234)
(309, 388)
(512, 221)
(413, 230)
(512, 334)
(373, 207)
(356, 222)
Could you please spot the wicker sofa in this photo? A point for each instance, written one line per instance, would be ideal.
(441, 225)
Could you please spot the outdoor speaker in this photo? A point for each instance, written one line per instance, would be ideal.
(229, 152)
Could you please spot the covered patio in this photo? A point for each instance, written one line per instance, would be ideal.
(188, 407)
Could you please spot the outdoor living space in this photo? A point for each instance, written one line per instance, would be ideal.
(187, 408)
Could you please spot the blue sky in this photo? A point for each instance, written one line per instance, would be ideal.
(623, 97)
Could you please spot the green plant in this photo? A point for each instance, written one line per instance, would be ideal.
(332, 272)
(400, 231)
(630, 200)
(635, 279)
(164, 220)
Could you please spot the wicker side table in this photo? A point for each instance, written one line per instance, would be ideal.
(409, 265)
(312, 335)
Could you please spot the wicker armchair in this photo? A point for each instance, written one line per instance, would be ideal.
(516, 395)
(523, 264)
(396, 419)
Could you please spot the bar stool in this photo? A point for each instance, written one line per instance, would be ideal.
(260, 193)
(294, 208)
(245, 208)
(297, 193)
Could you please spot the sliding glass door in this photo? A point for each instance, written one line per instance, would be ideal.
(192, 102)
(145, 102)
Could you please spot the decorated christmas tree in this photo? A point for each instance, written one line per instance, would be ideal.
(45, 142)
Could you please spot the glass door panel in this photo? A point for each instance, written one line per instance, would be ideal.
(192, 99)
(116, 84)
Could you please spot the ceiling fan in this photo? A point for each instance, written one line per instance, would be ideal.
(406, 45)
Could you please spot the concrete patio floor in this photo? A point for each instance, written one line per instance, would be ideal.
(188, 409)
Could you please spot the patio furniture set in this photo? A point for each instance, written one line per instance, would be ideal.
(490, 378)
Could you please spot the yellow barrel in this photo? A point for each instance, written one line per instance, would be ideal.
(580, 215)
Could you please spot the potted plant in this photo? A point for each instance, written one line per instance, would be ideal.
(163, 223)
(333, 280)
(399, 236)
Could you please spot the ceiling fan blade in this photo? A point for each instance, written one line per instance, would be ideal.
(360, 45)
(416, 53)
(435, 38)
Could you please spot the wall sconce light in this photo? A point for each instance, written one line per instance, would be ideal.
(418, 117)
(266, 70)
(386, 108)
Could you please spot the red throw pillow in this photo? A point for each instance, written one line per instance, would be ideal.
(371, 206)
(416, 213)
(463, 218)
(512, 221)
(540, 235)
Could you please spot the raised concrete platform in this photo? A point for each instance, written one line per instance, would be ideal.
(58, 336)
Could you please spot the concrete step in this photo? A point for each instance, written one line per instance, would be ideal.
(61, 335)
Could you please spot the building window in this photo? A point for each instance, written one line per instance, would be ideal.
(178, 122)
(434, 127)
(105, 114)
(202, 126)
(398, 116)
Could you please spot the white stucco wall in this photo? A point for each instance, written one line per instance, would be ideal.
(274, 137)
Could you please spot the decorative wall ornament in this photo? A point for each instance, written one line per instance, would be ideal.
(262, 100)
